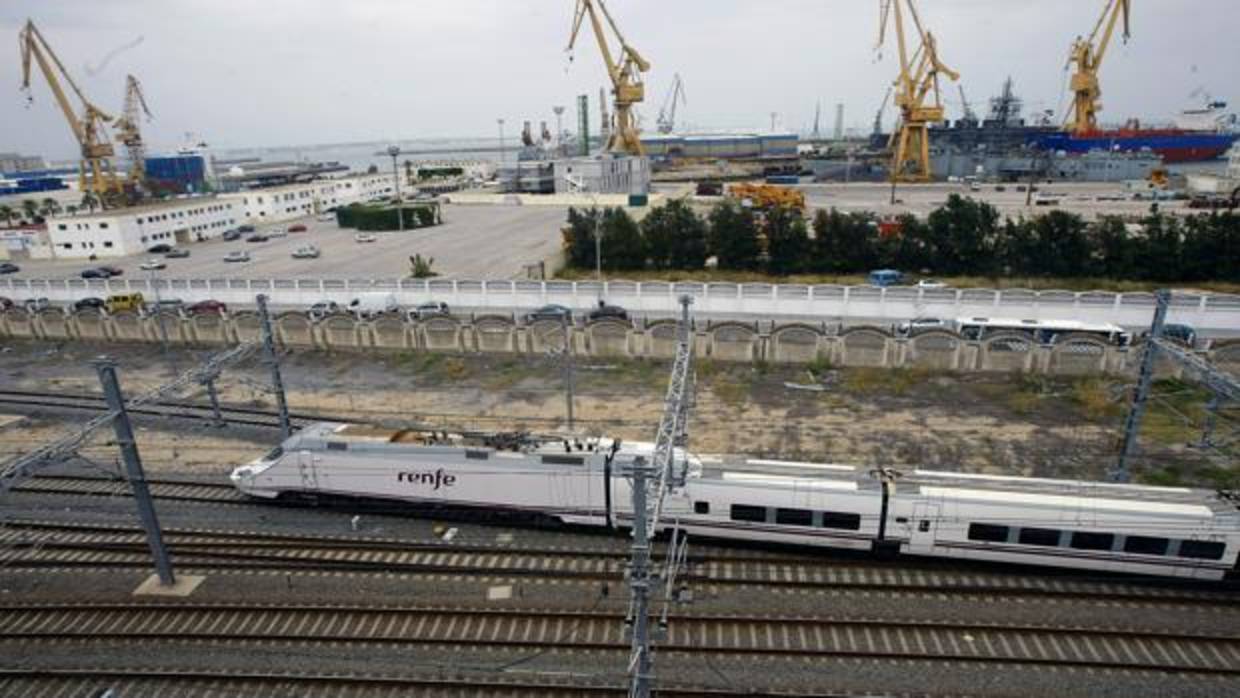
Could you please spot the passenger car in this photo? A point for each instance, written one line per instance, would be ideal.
(231, 235)
(112, 270)
(608, 312)
(431, 309)
(90, 303)
(551, 311)
(364, 237)
(5, 304)
(212, 307)
(95, 273)
(306, 252)
(34, 305)
(277, 233)
(322, 309)
(237, 256)
(152, 264)
(922, 324)
(930, 284)
(247, 228)
(257, 237)
(118, 302)
(177, 253)
(886, 277)
(299, 228)
(161, 248)
(9, 268)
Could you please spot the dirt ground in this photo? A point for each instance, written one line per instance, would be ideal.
(901, 418)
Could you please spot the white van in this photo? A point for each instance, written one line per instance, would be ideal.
(368, 305)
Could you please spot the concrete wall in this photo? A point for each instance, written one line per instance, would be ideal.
(792, 343)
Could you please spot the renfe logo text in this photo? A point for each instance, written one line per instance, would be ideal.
(436, 479)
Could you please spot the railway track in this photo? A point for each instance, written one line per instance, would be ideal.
(175, 409)
(43, 545)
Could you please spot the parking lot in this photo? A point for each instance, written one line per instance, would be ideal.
(474, 242)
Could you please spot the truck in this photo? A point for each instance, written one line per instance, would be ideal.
(370, 305)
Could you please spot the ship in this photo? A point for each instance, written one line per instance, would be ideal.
(1197, 135)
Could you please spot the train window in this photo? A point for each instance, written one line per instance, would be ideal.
(794, 517)
(1038, 536)
(274, 453)
(563, 460)
(836, 519)
(1201, 549)
(337, 446)
(1082, 540)
(1145, 545)
(745, 512)
(701, 507)
(477, 455)
(988, 532)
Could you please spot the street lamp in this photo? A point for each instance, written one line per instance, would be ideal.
(394, 151)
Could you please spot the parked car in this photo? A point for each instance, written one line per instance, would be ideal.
(257, 237)
(152, 264)
(1183, 334)
(209, 307)
(89, 304)
(431, 309)
(326, 217)
(124, 301)
(9, 268)
(306, 252)
(5, 304)
(886, 277)
(247, 228)
(921, 324)
(173, 304)
(277, 233)
(95, 273)
(299, 228)
(551, 311)
(237, 256)
(161, 248)
(369, 305)
(608, 312)
(177, 253)
(930, 284)
(112, 271)
(364, 237)
(34, 305)
(322, 309)
(231, 235)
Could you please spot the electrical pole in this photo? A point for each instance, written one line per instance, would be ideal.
(640, 672)
(1132, 425)
(269, 350)
(133, 469)
(153, 282)
(394, 151)
(208, 382)
(568, 368)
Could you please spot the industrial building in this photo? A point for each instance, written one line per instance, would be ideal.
(720, 146)
(132, 230)
(14, 163)
(283, 203)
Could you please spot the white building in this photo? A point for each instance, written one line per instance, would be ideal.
(290, 201)
(133, 230)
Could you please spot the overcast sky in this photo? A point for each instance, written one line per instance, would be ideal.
(284, 72)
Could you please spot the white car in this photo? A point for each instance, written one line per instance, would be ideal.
(930, 283)
(276, 233)
(921, 324)
(237, 256)
(152, 264)
(306, 252)
(364, 237)
(326, 218)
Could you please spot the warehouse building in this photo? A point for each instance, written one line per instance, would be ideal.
(133, 230)
(290, 201)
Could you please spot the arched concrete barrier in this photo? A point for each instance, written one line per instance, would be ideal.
(734, 342)
(54, 324)
(547, 336)
(940, 351)
(91, 325)
(440, 334)
(296, 329)
(661, 340)
(1078, 355)
(20, 324)
(210, 328)
(1008, 352)
(609, 338)
(173, 326)
(865, 346)
(389, 332)
(247, 327)
(494, 334)
(339, 332)
(129, 327)
(1226, 355)
(795, 343)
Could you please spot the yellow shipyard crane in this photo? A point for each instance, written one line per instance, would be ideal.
(130, 135)
(915, 92)
(1086, 57)
(626, 76)
(96, 174)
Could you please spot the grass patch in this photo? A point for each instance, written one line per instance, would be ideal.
(878, 382)
(1093, 396)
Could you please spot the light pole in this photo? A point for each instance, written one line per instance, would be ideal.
(501, 141)
(394, 151)
(559, 129)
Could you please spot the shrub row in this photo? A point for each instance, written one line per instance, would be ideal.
(369, 217)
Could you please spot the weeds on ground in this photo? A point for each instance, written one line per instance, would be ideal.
(883, 381)
(1094, 397)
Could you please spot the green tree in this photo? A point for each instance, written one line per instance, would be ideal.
(844, 243)
(30, 210)
(579, 237)
(1159, 256)
(734, 237)
(90, 200)
(1114, 254)
(960, 237)
(49, 207)
(8, 214)
(675, 237)
(788, 244)
(623, 245)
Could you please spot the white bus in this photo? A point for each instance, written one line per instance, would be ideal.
(1042, 331)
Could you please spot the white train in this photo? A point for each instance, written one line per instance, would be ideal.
(1164, 531)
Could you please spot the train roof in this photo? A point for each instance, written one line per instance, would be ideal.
(373, 435)
(978, 487)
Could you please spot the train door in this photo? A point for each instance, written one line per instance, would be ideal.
(307, 471)
(924, 526)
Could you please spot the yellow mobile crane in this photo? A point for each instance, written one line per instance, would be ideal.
(626, 76)
(1087, 55)
(128, 133)
(915, 93)
(96, 174)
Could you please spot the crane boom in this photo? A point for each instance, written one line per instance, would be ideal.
(667, 113)
(626, 75)
(1087, 55)
(130, 134)
(95, 173)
